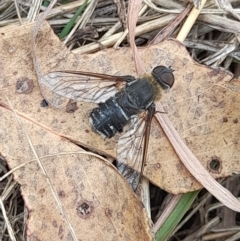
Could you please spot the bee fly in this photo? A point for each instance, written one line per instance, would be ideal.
(138, 95)
(121, 100)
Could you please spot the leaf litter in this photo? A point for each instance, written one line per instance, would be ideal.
(225, 120)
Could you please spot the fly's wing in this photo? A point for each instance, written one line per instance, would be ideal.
(83, 86)
(132, 147)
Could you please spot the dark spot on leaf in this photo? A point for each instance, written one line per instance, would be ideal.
(42, 190)
(225, 119)
(85, 209)
(108, 212)
(54, 223)
(24, 86)
(61, 194)
(71, 106)
(213, 98)
(235, 121)
(214, 72)
(214, 164)
(60, 232)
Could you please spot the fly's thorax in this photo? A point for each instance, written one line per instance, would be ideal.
(137, 96)
(156, 87)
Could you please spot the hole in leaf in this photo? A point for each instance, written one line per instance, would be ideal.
(215, 164)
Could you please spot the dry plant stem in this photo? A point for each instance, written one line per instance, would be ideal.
(213, 207)
(116, 45)
(171, 205)
(34, 9)
(111, 31)
(18, 12)
(9, 227)
(217, 58)
(144, 193)
(221, 23)
(189, 22)
(206, 45)
(83, 19)
(141, 29)
(13, 170)
(8, 22)
(166, 31)
(203, 229)
(234, 237)
(171, 4)
(7, 192)
(4, 4)
(226, 6)
(221, 235)
(134, 7)
(161, 10)
(64, 8)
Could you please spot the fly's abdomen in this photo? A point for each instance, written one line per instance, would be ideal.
(108, 118)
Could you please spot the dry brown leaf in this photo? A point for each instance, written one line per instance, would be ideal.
(92, 201)
(201, 105)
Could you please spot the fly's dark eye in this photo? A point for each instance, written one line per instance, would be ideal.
(164, 76)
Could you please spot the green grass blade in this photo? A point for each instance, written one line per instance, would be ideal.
(46, 3)
(69, 25)
(175, 217)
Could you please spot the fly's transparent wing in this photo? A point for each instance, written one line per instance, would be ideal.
(132, 148)
(83, 86)
(130, 152)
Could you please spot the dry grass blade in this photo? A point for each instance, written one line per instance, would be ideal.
(189, 22)
(18, 12)
(226, 6)
(83, 19)
(120, 40)
(122, 12)
(34, 10)
(133, 10)
(220, 23)
(212, 223)
(165, 32)
(217, 58)
(161, 10)
(9, 227)
(140, 29)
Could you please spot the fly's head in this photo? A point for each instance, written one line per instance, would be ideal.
(164, 76)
